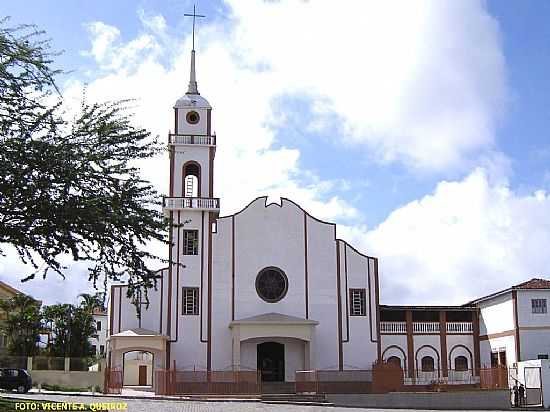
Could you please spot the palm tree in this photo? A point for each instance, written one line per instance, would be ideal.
(90, 302)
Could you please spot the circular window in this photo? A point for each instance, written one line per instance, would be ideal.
(192, 117)
(271, 284)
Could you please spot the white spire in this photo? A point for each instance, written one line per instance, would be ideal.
(192, 89)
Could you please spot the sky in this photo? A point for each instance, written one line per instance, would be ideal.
(419, 127)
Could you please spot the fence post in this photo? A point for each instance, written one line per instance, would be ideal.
(29, 363)
(316, 376)
(67, 365)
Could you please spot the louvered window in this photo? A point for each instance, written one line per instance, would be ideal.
(190, 304)
(190, 242)
(538, 305)
(357, 299)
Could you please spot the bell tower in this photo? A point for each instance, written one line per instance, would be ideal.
(192, 210)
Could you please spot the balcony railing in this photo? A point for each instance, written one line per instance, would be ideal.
(195, 203)
(393, 327)
(426, 327)
(184, 139)
(459, 327)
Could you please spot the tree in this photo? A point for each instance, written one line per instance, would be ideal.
(67, 185)
(91, 302)
(71, 326)
(22, 325)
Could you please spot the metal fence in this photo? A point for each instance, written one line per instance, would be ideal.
(494, 378)
(48, 363)
(13, 362)
(334, 381)
(191, 382)
(80, 364)
(384, 378)
(113, 381)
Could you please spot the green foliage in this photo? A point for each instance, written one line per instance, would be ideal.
(91, 302)
(22, 325)
(68, 185)
(61, 388)
(71, 327)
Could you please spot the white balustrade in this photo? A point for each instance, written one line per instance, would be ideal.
(425, 327)
(188, 139)
(393, 327)
(199, 203)
(459, 327)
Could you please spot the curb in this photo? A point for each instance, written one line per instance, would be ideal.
(137, 397)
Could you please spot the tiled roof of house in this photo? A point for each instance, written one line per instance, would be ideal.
(99, 311)
(535, 283)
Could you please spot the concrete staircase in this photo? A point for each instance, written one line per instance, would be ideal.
(284, 393)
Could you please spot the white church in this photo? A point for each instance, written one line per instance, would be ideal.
(271, 288)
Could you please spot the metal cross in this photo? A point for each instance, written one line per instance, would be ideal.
(194, 15)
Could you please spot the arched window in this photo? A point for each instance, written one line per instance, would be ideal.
(461, 363)
(427, 364)
(394, 360)
(191, 179)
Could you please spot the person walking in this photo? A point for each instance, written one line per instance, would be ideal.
(521, 393)
(515, 395)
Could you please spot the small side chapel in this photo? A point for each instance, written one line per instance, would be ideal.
(268, 288)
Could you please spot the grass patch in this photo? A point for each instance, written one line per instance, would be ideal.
(60, 388)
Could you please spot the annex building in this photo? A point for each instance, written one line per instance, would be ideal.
(271, 288)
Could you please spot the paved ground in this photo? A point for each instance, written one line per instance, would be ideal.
(139, 405)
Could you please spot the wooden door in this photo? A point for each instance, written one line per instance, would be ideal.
(142, 375)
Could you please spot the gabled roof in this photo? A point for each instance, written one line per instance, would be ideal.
(9, 288)
(532, 284)
(435, 308)
(12, 290)
(134, 332)
(99, 312)
(275, 319)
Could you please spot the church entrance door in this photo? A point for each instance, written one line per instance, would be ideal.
(271, 361)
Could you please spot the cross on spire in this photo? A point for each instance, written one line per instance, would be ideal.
(194, 15)
(192, 89)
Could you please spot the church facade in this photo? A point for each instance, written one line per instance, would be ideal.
(272, 288)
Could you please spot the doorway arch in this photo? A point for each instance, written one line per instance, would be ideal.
(137, 368)
(271, 361)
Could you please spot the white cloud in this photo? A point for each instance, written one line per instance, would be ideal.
(459, 242)
(104, 36)
(419, 82)
(403, 79)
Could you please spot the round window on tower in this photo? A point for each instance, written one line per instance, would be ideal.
(271, 284)
(192, 117)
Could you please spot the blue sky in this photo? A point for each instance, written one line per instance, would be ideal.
(422, 129)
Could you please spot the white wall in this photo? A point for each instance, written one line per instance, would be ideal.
(534, 343)
(101, 334)
(496, 315)
(526, 317)
(150, 317)
(496, 344)
(131, 369)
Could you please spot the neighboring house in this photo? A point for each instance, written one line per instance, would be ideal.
(6, 292)
(272, 288)
(515, 323)
(99, 340)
